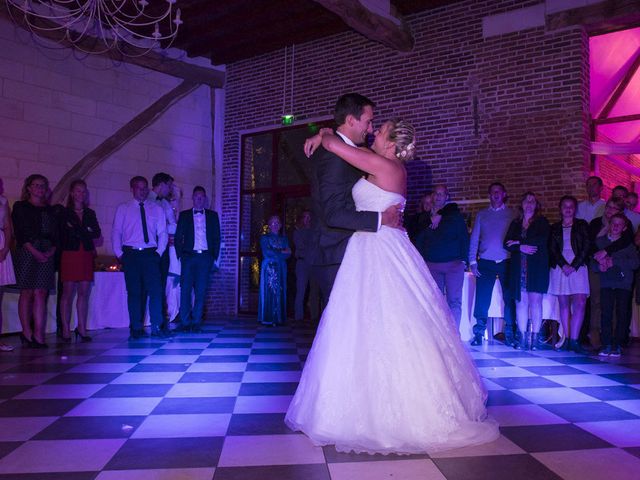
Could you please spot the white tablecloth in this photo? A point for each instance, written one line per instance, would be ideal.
(550, 308)
(107, 305)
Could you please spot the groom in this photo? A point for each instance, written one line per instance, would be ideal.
(331, 182)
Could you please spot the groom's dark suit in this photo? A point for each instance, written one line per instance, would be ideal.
(331, 182)
(196, 264)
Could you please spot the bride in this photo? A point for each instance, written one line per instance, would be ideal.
(387, 372)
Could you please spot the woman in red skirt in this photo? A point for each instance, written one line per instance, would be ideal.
(78, 229)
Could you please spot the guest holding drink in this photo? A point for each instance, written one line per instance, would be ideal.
(36, 236)
(78, 228)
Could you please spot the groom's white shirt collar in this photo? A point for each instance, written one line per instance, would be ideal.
(346, 139)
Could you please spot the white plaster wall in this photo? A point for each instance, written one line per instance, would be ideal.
(54, 108)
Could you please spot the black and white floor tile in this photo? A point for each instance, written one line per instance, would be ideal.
(211, 406)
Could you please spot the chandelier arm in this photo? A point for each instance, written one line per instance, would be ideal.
(105, 20)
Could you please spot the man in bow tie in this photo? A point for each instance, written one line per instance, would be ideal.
(197, 243)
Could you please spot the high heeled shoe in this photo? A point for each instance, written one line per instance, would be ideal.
(83, 338)
(37, 344)
(26, 341)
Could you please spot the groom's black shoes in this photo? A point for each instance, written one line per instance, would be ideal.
(477, 341)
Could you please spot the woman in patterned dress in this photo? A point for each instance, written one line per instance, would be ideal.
(36, 236)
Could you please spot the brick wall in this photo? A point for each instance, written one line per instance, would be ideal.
(527, 130)
(54, 108)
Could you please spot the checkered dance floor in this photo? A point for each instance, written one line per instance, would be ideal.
(211, 406)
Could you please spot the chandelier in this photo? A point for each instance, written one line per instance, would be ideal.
(98, 26)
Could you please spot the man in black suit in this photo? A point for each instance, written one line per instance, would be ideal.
(197, 243)
(331, 184)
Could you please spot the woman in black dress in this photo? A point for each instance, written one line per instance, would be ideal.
(35, 231)
(527, 239)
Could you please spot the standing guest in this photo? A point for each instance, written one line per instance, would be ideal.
(36, 236)
(630, 203)
(599, 227)
(305, 242)
(527, 240)
(616, 284)
(161, 186)
(488, 259)
(139, 238)
(172, 291)
(7, 276)
(619, 191)
(569, 251)
(593, 206)
(197, 243)
(444, 245)
(78, 226)
(272, 308)
(417, 222)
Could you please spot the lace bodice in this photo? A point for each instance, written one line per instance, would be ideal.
(370, 197)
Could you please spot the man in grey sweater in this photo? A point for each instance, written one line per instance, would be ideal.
(488, 259)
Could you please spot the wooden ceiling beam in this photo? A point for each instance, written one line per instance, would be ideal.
(621, 87)
(151, 60)
(120, 138)
(373, 26)
(272, 18)
(621, 119)
(602, 17)
(244, 46)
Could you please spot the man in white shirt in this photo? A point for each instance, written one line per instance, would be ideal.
(161, 185)
(593, 206)
(139, 238)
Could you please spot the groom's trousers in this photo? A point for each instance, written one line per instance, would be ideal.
(326, 276)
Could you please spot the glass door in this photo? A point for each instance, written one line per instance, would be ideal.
(275, 180)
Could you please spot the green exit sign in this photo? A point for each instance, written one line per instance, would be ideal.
(287, 119)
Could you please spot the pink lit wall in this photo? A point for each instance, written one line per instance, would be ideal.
(611, 57)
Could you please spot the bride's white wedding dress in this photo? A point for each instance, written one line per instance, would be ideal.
(387, 372)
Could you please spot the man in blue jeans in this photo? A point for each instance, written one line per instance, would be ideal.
(489, 260)
(197, 243)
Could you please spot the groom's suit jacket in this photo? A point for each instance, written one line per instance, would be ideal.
(331, 182)
(184, 238)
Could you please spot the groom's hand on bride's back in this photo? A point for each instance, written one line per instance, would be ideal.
(392, 216)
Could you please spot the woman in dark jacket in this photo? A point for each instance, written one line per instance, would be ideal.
(569, 252)
(78, 229)
(35, 230)
(527, 239)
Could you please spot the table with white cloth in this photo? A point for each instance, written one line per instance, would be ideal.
(107, 305)
(635, 319)
(550, 308)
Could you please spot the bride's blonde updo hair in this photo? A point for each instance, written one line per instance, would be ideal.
(404, 136)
